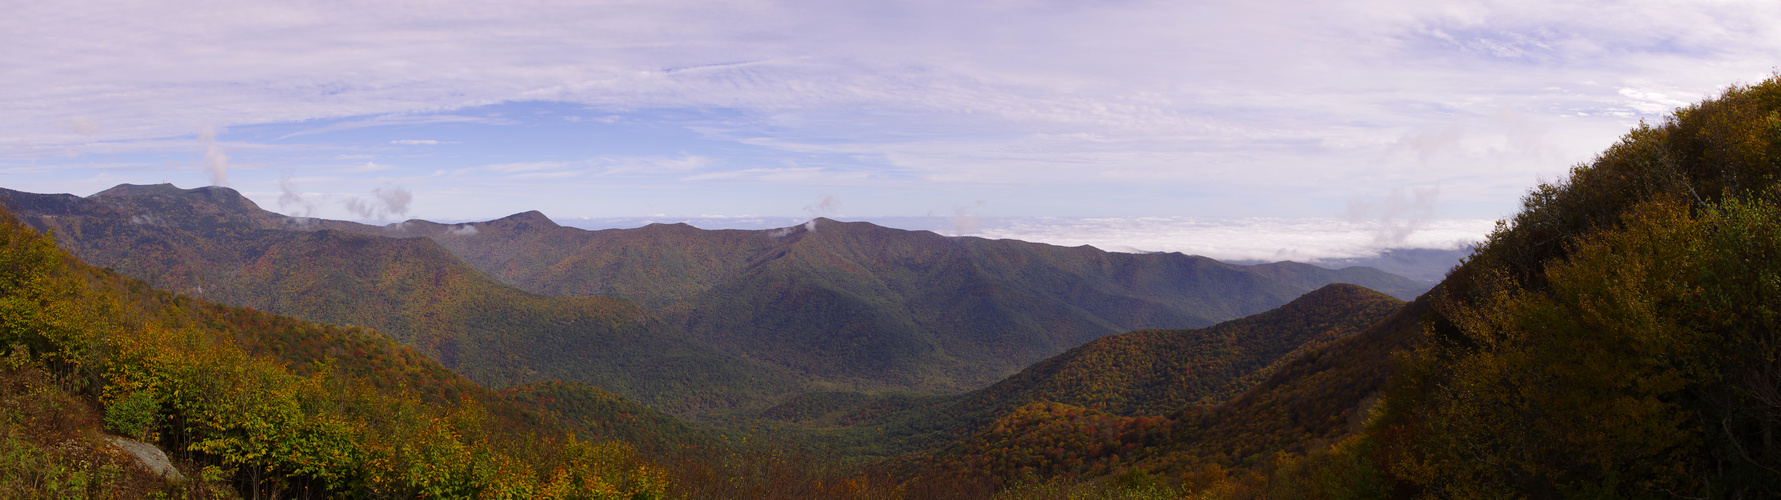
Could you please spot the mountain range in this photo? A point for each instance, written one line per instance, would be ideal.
(680, 318)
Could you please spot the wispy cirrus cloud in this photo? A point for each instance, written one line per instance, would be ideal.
(388, 121)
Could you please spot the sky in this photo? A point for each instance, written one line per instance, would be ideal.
(1133, 122)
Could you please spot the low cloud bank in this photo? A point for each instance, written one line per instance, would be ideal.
(1257, 239)
(1254, 239)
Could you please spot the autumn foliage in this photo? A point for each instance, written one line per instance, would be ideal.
(1618, 337)
(262, 405)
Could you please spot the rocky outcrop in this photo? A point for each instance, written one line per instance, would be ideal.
(149, 456)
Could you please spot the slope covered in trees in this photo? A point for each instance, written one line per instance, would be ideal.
(1155, 372)
(1617, 337)
(874, 308)
(1147, 373)
(264, 404)
(214, 244)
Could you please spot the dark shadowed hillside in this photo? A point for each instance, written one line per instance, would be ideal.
(1301, 402)
(1155, 372)
(1134, 374)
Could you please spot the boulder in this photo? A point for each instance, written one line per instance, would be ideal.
(149, 456)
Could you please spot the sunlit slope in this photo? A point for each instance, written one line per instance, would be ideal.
(213, 244)
(262, 404)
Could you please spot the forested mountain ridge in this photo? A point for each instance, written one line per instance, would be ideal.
(840, 305)
(876, 308)
(212, 243)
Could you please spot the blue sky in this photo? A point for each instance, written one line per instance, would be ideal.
(1358, 111)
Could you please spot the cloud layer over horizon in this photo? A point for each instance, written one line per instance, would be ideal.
(1369, 111)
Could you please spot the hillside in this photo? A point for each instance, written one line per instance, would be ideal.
(250, 403)
(1658, 260)
(1146, 373)
(872, 308)
(1156, 372)
(211, 243)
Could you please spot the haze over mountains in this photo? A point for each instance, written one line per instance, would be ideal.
(1417, 248)
(680, 318)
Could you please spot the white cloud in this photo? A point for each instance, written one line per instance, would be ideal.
(1649, 102)
(215, 162)
(293, 201)
(827, 205)
(1256, 238)
(1044, 97)
(381, 205)
(1062, 64)
(1263, 239)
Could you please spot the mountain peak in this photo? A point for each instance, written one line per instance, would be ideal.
(162, 189)
(218, 195)
(821, 223)
(1337, 292)
(525, 220)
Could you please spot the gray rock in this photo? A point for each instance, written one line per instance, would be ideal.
(149, 456)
